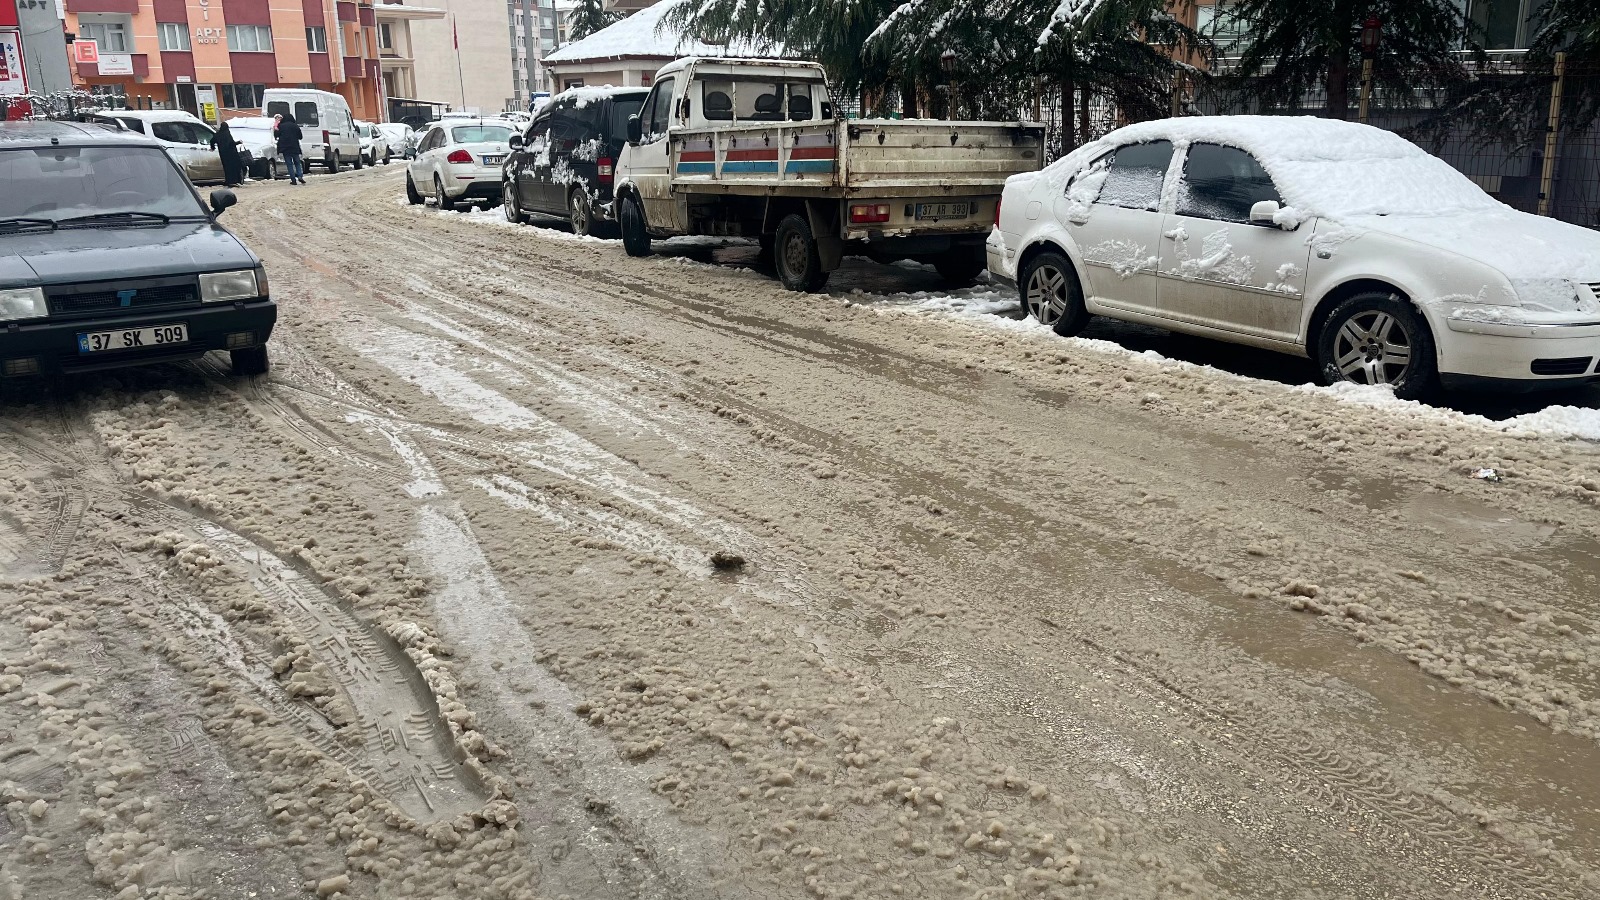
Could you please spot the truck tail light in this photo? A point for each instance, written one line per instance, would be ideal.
(868, 213)
(605, 170)
(459, 156)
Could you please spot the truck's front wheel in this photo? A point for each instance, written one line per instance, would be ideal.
(635, 239)
(795, 256)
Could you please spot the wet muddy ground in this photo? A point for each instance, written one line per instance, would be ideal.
(432, 610)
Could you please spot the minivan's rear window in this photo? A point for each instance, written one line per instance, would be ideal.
(621, 109)
(480, 134)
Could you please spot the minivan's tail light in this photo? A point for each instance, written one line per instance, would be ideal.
(459, 156)
(997, 213)
(868, 213)
(325, 138)
(605, 170)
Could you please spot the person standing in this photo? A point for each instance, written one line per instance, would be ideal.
(289, 148)
(228, 151)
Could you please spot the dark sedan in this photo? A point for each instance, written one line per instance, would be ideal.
(109, 258)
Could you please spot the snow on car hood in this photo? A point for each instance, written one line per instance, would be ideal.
(1522, 246)
(93, 254)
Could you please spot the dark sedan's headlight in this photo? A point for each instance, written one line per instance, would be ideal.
(22, 303)
(221, 287)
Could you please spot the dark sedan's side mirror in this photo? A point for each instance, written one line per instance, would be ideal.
(515, 142)
(221, 200)
(635, 130)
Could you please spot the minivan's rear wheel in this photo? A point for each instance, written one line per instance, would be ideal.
(250, 361)
(510, 205)
(333, 164)
(579, 212)
(1051, 293)
(361, 161)
(798, 262)
(1378, 338)
(413, 196)
(635, 238)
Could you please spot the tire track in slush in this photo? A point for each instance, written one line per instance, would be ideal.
(406, 750)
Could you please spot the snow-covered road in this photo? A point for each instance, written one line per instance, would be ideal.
(432, 610)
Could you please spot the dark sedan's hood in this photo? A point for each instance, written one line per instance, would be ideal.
(99, 254)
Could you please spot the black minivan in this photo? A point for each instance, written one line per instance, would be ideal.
(109, 258)
(562, 165)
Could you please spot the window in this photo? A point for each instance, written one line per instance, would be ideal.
(622, 109)
(181, 132)
(173, 35)
(305, 113)
(1504, 24)
(317, 39)
(1223, 25)
(1222, 183)
(242, 96)
(657, 110)
(111, 36)
(480, 134)
(250, 38)
(386, 36)
(1137, 172)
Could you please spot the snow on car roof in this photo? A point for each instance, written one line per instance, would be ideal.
(1322, 167)
(583, 96)
(643, 34)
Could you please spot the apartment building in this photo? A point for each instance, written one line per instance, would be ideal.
(215, 57)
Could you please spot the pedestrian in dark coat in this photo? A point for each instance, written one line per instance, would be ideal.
(289, 149)
(228, 151)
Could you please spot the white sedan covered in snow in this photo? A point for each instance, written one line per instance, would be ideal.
(1320, 238)
(459, 160)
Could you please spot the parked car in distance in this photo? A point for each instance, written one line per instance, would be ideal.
(402, 138)
(108, 258)
(563, 164)
(459, 160)
(1314, 237)
(254, 134)
(374, 144)
(330, 136)
(190, 141)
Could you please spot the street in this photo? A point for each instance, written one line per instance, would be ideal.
(536, 570)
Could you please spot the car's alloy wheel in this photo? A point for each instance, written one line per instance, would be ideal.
(1051, 294)
(413, 196)
(1377, 339)
(440, 198)
(510, 205)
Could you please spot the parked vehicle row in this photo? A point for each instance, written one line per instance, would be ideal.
(1323, 239)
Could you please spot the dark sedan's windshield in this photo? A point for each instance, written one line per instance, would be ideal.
(64, 182)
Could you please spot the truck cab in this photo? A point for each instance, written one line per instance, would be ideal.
(756, 148)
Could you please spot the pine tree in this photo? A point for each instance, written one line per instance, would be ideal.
(1571, 27)
(1130, 52)
(589, 16)
(1292, 47)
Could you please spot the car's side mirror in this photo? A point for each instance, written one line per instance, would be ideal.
(515, 142)
(221, 200)
(635, 130)
(1265, 213)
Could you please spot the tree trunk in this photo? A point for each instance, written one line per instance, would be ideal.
(1069, 134)
(1083, 116)
(908, 99)
(1338, 85)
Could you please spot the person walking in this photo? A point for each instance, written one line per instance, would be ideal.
(288, 131)
(228, 151)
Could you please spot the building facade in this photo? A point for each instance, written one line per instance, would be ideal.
(215, 57)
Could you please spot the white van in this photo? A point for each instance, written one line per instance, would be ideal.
(330, 137)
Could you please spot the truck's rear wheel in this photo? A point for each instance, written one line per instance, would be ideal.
(960, 267)
(798, 263)
(635, 239)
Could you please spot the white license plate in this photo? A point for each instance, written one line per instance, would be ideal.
(493, 160)
(132, 338)
(943, 210)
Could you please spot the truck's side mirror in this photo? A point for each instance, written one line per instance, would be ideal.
(635, 130)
